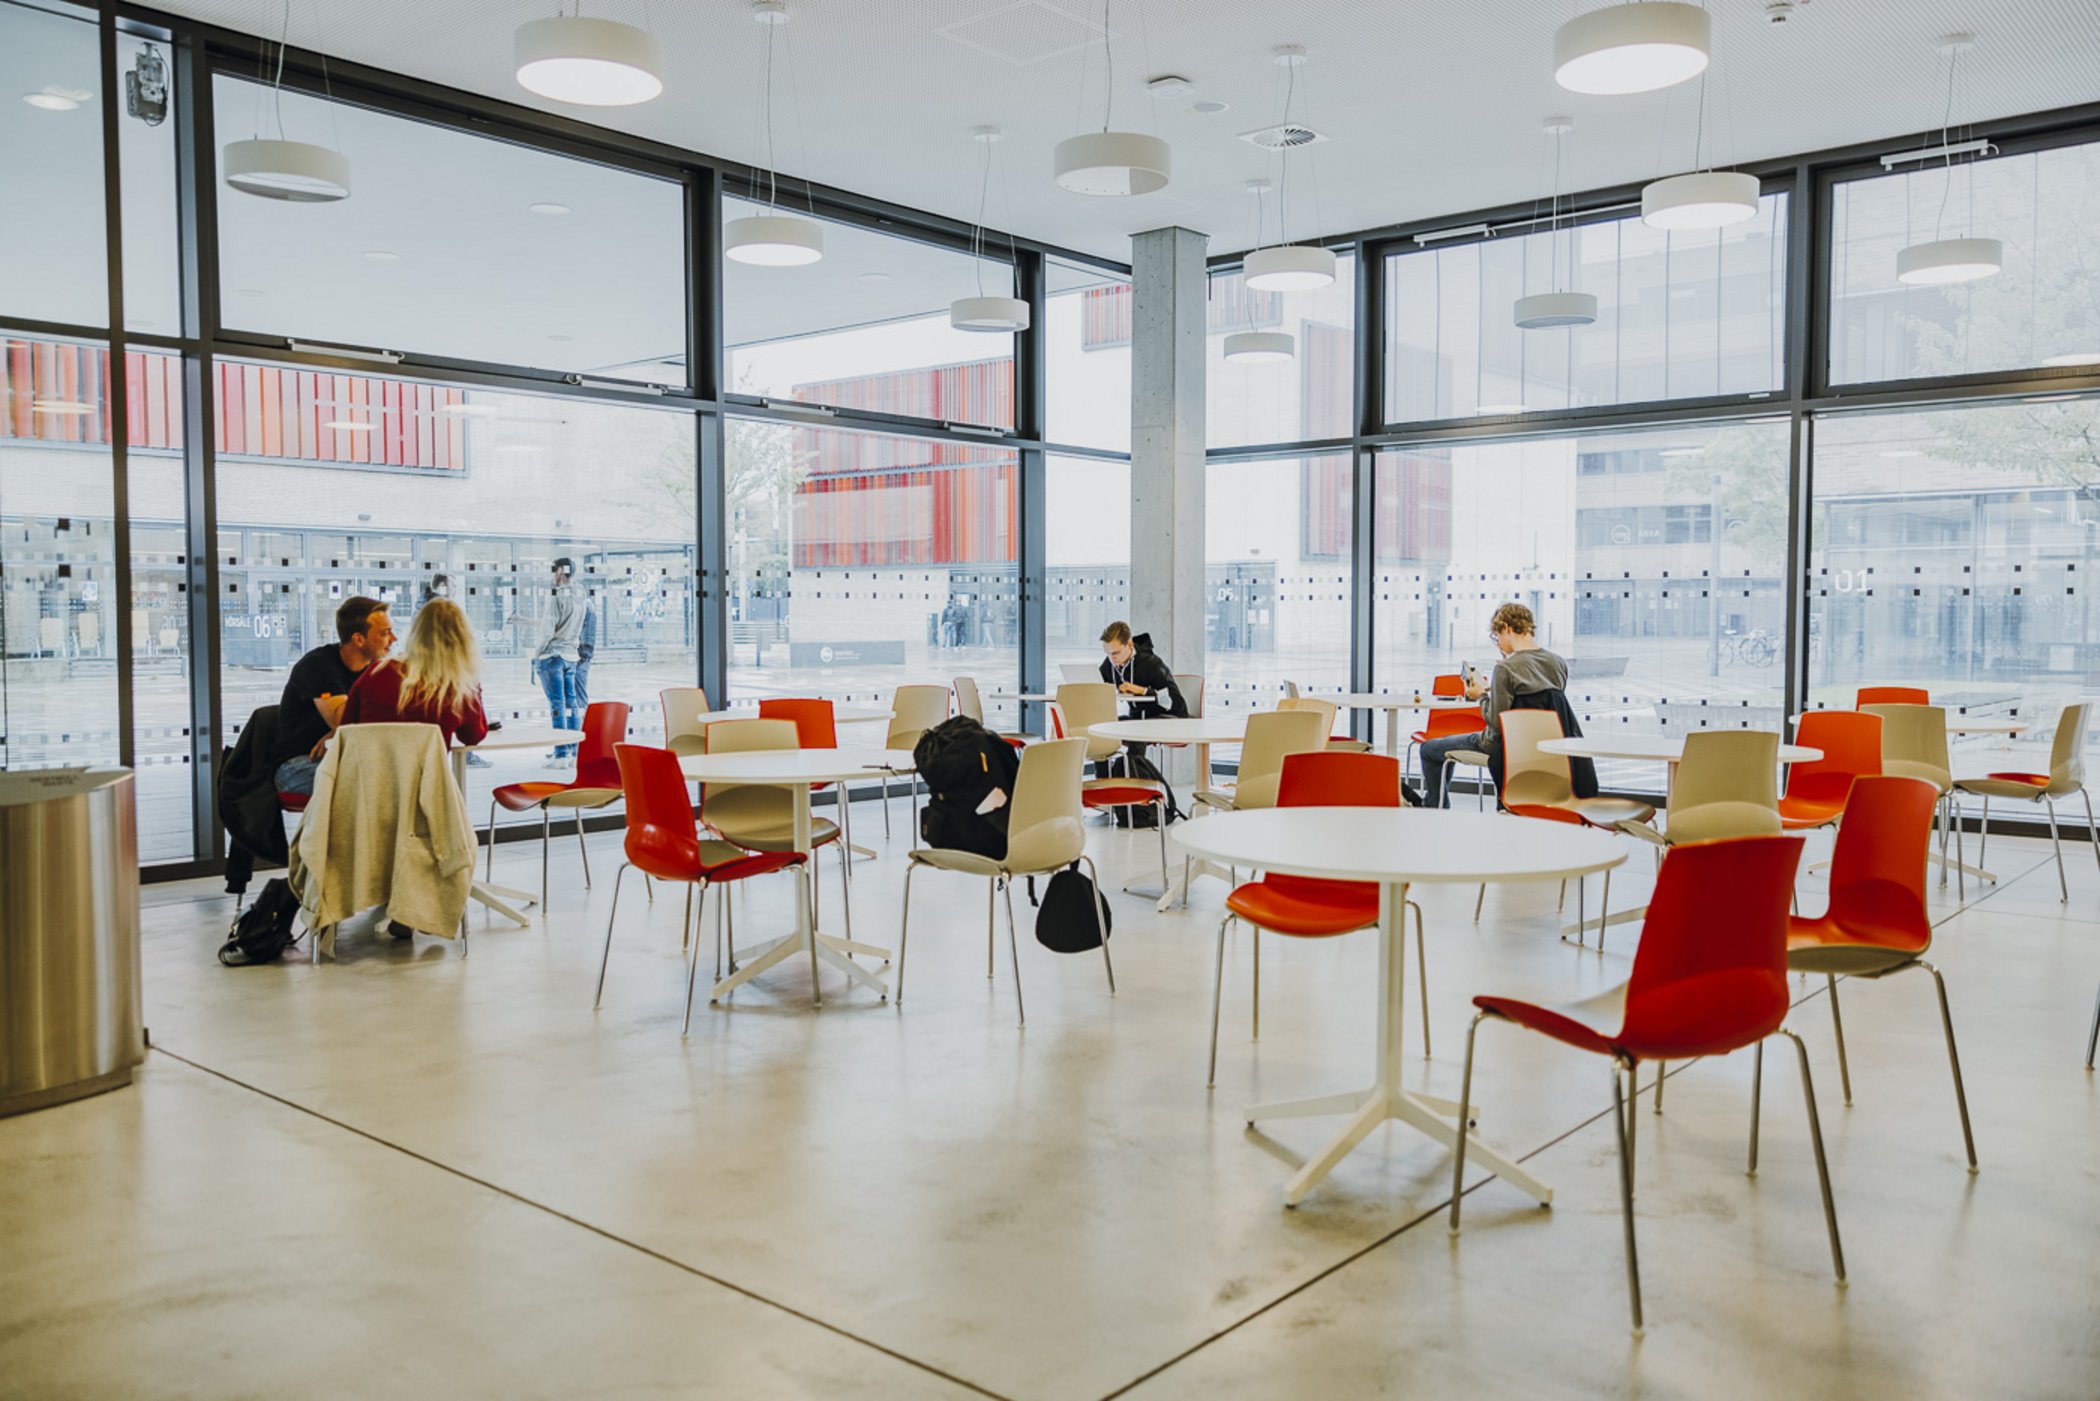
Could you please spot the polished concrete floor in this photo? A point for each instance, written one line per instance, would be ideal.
(412, 1174)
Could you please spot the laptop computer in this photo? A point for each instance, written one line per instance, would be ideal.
(1080, 673)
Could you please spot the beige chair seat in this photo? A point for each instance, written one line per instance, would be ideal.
(582, 798)
(1097, 785)
(1609, 812)
(1349, 746)
(1911, 768)
(2007, 788)
(1710, 822)
(772, 836)
(1219, 798)
(968, 863)
(687, 746)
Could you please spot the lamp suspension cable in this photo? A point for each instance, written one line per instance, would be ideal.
(1943, 260)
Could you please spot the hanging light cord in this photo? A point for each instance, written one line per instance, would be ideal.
(1947, 153)
(772, 166)
(984, 190)
(1108, 51)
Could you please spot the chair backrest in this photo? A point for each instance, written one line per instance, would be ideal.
(1914, 742)
(1325, 707)
(1191, 687)
(1727, 766)
(1851, 745)
(2067, 755)
(1045, 827)
(683, 707)
(729, 807)
(1709, 974)
(1877, 873)
(604, 725)
(967, 702)
(1272, 737)
(1290, 689)
(1529, 775)
(913, 711)
(815, 727)
(1085, 704)
(1892, 695)
(1449, 720)
(660, 825)
(1331, 779)
(1450, 684)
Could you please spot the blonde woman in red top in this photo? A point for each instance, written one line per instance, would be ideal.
(437, 680)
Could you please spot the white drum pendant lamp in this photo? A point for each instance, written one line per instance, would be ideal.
(1632, 48)
(1259, 347)
(1289, 268)
(1110, 163)
(1949, 260)
(588, 62)
(1707, 199)
(1542, 310)
(773, 240)
(295, 171)
(995, 315)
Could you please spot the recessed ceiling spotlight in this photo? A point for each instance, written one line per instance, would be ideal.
(548, 206)
(381, 255)
(874, 277)
(52, 98)
(1209, 107)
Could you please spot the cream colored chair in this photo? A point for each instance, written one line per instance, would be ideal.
(2066, 776)
(1080, 707)
(684, 734)
(1538, 784)
(913, 711)
(1272, 736)
(1727, 786)
(1914, 745)
(761, 817)
(1045, 833)
(970, 704)
(1340, 744)
(1191, 687)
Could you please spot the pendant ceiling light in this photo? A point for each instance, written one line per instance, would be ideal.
(590, 62)
(1559, 307)
(1704, 199)
(772, 239)
(1107, 162)
(1252, 346)
(989, 314)
(1939, 261)
(296, 172)
(1287, 267)
(1632, 48)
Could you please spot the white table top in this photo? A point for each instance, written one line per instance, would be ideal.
(1230, 728)
(1662, 749)
(516, 736)
(1365, 700)
(840, 714)
(1962, 725)
(1400, 844)
(793, 766)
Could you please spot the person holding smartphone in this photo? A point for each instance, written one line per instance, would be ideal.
(1525, 668)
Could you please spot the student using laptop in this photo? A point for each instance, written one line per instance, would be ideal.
(1131, 666)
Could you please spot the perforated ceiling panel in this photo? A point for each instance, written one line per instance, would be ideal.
(1432, 108)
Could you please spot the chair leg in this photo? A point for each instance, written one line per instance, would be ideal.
(991, 925)
(1633, 1123)
(584, 851)
(816, 988)
(1837, 1023)
(2092, 1038)
(1562, 906)
(1217, 997)
(1983, 835)
(692, 971)
(613, 914)
(1604, 911)
(1013, 948)
(685, 925)
(1254, 933)
(885, 806)
(1619, 1118)
(1421, 968)
(1101, 921)
(845, 860)
(1465, 1107)
(1662, 1073)
(1162, 849)
(1479, 900)
(721, 909)
(2057, 842)
(489, 873)
(2091, 830)
(1185, 881)
(1961, 856)
(1961, 1097)
(728, 913)
(1757, 1087)
(546, 841)
(904, 933)
(1815, 1137)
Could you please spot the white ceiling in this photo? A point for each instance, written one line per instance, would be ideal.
(1432, 108)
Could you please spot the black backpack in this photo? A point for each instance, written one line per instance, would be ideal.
(1145, 814)
(263, 931)
(961, 762)
(1066, 920)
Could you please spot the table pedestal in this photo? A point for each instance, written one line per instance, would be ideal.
(496, 897)
(1386, 1098)
(822, 948)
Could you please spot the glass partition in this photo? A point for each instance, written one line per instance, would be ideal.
(1277, 580)
(52, 237)
(1087, 331)
(1310, 395)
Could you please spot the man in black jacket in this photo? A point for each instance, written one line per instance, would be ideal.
(1131, 666)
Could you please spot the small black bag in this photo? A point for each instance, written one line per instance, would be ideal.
(264, 930)
(1068, 919)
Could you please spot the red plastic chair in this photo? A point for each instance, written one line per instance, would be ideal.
(1876, 924)
(1709, 977)
(596, 785)
(664, 842)
(1816, 792)
(1451, 685)
(1305, 907)
(1892, 695)
(816, 727)
(1443, 723)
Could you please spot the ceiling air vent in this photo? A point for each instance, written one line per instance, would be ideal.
(1283, 137)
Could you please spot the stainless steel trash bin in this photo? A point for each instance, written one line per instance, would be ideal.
(69, 935)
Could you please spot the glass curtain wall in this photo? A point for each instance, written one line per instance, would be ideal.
(1308, 396)
(1277, 580)
(1086, 326)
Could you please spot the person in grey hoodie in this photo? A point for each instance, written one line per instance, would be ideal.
(554, 663)
(1525, 668)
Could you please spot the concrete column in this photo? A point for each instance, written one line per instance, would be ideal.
(1166, 442)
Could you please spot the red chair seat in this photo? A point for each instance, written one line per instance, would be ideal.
(294, 802)
(1111, 794)
(1339, 909)
(2032, 780)
(523, 797)
(1796, 812)
(1551, 814)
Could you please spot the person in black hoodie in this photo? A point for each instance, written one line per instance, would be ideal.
(1131, 666)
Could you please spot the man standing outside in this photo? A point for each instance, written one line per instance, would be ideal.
(1525, 668)
(554, 663)
(314, 696)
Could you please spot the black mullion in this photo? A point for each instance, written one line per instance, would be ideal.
(1031, 420)
(116, 385)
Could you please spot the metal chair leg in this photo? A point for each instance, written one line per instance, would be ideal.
(489, 873)
(721, 907)
(1101, 921)
(1217, 997)
(2092, 831)
(1837, 1023)
(1961, 1096)
(1619, 1118)
(2092, 1038)
(1757, 1086)
(1604, 911)
(1465, 1106)
(692, 971)
(1662, 1073)
(1013, 947)
(728, 927)
(1961, 856)
(904, 934)
(685, 924)
(1162, 850)
(2054, 840)
(1254, 936)
(606, 957)
(1421, 967)
(991, 925)
(1479, 900)
(1983, 835)
(885, 806)
(1562, 906)
(816, 987)
(1815, 1137)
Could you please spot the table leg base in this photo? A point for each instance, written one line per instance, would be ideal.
(830, 952)
(493, 896)
(1372, 1107)
(1632, 916)
(1178, 889)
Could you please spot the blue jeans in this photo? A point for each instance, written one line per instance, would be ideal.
(580, 686)
(1433, 755)
(557, 677)
(296, 775)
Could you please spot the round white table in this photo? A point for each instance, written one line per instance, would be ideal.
(840, 714)
(1963, 725)
(1396, 848)
(1395, 706)
(499, 897)
(796, 770)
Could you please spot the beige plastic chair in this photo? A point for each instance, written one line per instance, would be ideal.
(684, 735)
(1539, 785)
(1914, 745)
(1342, 744)
(913, 711)
(1081, 706)
(1272, 736)
(970, 704)
(2066, 776)
(761, 816)
(1045, 833)
(1727, 786)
